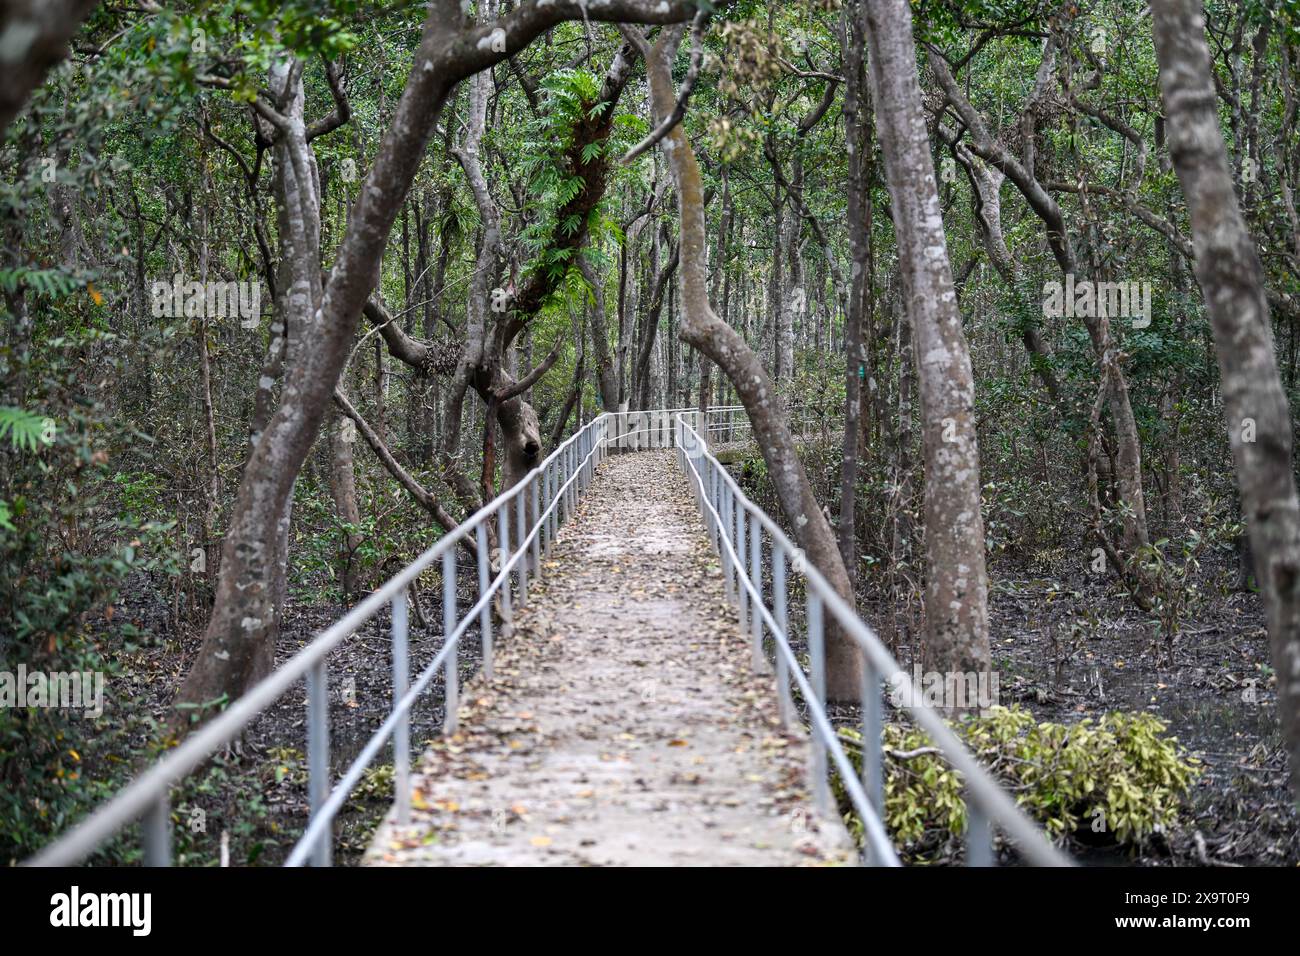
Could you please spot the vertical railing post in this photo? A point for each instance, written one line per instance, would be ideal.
(570, 483)
(522, 511)
(503, 535)
(723, 550)
(402, 731)
(579, 465)
(534, 494)
(451, 682)
(484, 580)
(742, 603)
(156, 832)
(756, 575)
(715, 483)
(557, 494)
(737, 532)
(586, 457)
(780, 594)
(873, 726)
(563, 477)
(318, 757)
(549, 490)
(817, 666)
(575, 470)
(711, 492)
(979, 836)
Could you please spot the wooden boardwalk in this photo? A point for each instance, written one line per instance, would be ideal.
(624, 725)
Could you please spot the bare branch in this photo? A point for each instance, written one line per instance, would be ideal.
(342, 112)
(531, 379)
(403, 477)
(688, 85)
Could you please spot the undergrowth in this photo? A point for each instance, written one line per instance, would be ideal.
(1120, 779)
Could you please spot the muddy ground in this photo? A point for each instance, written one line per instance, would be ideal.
(1083, 649)
(1070, 645)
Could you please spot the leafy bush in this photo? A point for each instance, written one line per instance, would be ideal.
(1120, 776)
(66, 551)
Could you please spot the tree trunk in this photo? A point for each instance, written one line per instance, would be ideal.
(343, 486)
(778, 319)
(1231, 279)
(988, 148)
(857, 125)
(606, 379)
(901, 530)
(650, 329)
(956, 602)
(795, 304)
(239, 644)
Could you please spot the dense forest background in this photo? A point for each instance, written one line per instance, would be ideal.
(532, 274)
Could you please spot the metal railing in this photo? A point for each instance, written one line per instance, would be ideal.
(534, 509)
(720, 425)
(738, 530)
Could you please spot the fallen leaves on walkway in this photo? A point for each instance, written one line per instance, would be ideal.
(625, 724)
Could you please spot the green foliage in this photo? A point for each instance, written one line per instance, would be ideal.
(1171, 583)
(947, 20)
(26, 431)
(66, 552)
(571, 97)
(1120, 776)
(54, 283)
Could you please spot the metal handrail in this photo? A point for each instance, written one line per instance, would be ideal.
(652, 428)
(541, 502)
(557, 483)
(731, 518)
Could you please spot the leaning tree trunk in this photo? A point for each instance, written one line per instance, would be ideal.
(239, 644)
(956, 599)
(702, 329)
(1254, 402)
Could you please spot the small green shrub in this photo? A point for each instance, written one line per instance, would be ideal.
(1120, 776)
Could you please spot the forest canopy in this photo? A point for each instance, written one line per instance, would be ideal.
(1004, 294)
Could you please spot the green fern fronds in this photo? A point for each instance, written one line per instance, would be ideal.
(26, 431)
(54, 283)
